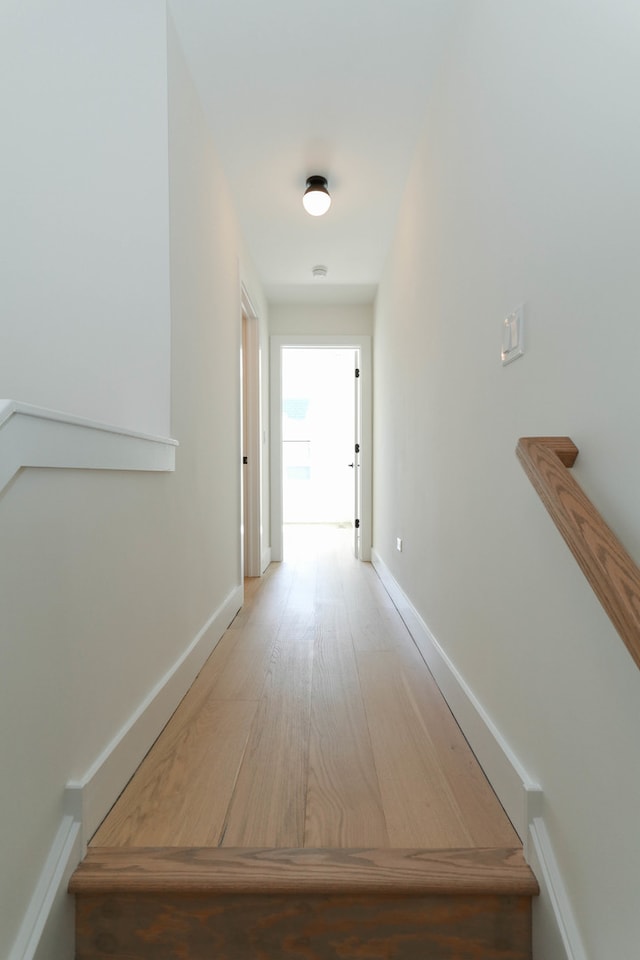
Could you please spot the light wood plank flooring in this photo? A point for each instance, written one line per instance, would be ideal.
(314, 724)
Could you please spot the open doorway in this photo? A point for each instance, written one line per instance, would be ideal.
(321, 436)
(318, 435)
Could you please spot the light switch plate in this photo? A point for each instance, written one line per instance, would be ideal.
(513, 336)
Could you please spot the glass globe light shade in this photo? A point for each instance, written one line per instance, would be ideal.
(316, 199)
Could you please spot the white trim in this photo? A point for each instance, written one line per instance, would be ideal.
(555, 934)
(359, 342)
(47, 929)
(92, 797)
(275, 454)
(38, 437)
(266, 559)
(251, 445)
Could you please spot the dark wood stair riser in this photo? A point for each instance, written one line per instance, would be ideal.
(140, 926)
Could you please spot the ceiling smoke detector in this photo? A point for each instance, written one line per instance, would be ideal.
(319, 271)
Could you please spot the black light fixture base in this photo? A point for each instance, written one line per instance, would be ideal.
(317, 183)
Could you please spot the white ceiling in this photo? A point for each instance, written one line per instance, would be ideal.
(293, 88)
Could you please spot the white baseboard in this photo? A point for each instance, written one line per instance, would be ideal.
(47, 928)
(266, 559)
(91, 798)
(519, 794)
(555, 934)
(47, 931)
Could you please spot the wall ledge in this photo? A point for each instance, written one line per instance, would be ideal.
(33, 436)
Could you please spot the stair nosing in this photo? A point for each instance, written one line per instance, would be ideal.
(280, 871)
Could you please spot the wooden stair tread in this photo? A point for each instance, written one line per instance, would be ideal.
(254, 871)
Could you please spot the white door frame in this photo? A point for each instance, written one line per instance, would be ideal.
(358, 342)
(251, 445)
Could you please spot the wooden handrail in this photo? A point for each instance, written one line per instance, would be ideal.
(610, 570)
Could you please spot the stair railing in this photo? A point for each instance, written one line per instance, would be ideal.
(610, 570)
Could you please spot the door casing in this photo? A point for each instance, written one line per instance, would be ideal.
(251, 496)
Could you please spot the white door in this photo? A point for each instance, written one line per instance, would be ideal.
(357, 493)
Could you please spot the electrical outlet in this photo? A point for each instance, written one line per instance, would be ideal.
(399, 544)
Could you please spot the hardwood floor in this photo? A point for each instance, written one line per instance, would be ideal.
(315, 723)
(312, 797)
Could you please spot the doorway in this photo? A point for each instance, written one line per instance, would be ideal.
(321, 435)
(318, 434)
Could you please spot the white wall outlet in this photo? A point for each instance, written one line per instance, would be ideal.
(513, 336)
(399, 544)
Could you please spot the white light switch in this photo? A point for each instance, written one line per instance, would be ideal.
(513, 336)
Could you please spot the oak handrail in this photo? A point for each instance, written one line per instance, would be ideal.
(610, 570)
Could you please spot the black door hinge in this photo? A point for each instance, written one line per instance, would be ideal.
(357, 524)
(245, 460)
(357, 448)
(357, 372)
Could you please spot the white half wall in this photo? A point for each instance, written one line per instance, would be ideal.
(84, 244)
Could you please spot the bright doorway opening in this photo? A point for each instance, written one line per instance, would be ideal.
(318, 435)
(321, 436)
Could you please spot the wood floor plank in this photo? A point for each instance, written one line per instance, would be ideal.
(237, 668)
(181, 792)
(268, 803)
(267, 601)
(343, 804)
(419, 805)
(376, 628)
(485, 820)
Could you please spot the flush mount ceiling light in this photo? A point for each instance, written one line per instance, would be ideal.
(316, 199)
(319, 271)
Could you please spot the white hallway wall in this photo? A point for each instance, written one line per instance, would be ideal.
(84, 245)
(106, 578)
(525, 188)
